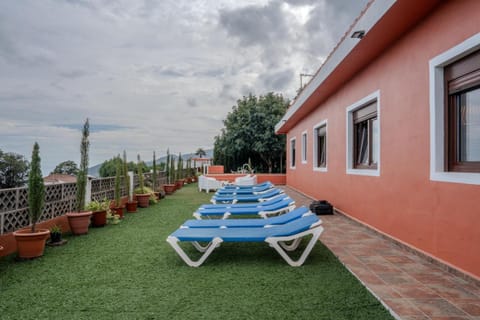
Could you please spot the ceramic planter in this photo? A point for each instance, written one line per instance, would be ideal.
(131, 206)
(79, 222)
(143, 200)
(99, 218)
(31, 244)
(118, 211)
(169, 188)
(179, 184)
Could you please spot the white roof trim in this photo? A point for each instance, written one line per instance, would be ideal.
(366, 22)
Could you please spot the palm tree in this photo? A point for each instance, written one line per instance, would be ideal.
(200, 152)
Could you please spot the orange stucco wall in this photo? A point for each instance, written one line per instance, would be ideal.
(441, 219)
(215, 169)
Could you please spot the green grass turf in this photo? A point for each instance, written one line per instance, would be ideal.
(128, 271)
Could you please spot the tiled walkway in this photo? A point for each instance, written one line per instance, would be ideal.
(408, 285)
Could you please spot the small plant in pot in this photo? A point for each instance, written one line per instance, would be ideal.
(99, 212)
(31, 242)
(131, 203)
(118, 207)
(154, 178)
(56, 236)
(179, 181)
(169, 187)
(80, 219)
(142, 194)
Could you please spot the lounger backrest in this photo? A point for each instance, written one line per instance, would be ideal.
(294, 227)
(288, 217)
(277, 205)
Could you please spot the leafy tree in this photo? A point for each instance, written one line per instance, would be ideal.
(66, 167)
(200, 152)
(109, 167)
(36, 188)
(249, 134)
(13, 170)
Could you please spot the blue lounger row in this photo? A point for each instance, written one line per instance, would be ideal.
(270, 201)
(234, 186)
(250, 191)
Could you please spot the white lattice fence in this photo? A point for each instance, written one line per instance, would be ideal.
(59, 199)
(105, 188)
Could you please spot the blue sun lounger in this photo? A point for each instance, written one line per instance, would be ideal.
(261, 209)
(282, 238)
(254, 223)
(232, 191)
(246, 198)
(270, 201)
(234, 186)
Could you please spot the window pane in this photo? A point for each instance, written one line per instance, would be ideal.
(293, 153)
(469, 126)
(322, 158)
(375, 141)
(362, 142)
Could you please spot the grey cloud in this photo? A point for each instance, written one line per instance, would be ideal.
(191, 102)
(277, 81)
(256, 25)
(73, 74)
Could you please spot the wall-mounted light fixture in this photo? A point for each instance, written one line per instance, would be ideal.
(359, 34)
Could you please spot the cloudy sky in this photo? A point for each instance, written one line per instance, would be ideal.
(149, 74)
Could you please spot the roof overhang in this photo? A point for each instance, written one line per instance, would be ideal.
(383, 21)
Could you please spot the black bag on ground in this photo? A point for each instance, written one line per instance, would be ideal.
(321, 207)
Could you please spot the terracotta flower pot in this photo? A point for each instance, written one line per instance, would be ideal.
(179, 184)
(31, 245)
(169, 188)
(99, 218)
(131, 206)
(143, 200)
(79, 222)
(118, 211)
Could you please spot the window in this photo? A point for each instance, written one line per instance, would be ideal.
(320, 146)
(455, 113)
(363, 136)
(304, 147)
(365, 131)
(292, 153)
(462, 86)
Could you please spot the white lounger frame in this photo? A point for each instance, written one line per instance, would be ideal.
(263, 214)
(278, 243)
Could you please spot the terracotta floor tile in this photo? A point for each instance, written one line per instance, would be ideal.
(437, 307)
(403, 307)
(382, 268)
(452, 292)
(470, 306)
(399, 260)
(451, 318)
(396, 278)
(415, 291)
(384, 291)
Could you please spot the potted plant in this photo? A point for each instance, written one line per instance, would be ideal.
(154, 178)
(142, 195)
(99, 212)
(80, 219)
(131, 203)
(31, 242)
(56, 236)
(179, 173)
(118, 207)
(169, 188)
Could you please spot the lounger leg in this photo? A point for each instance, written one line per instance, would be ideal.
(274, 242)
(173, 241)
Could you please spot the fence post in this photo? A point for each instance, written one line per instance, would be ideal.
(130, 174)
(88, 191)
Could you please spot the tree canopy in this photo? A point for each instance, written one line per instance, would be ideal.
(200, 152)
(66, 167)
(249, 134)
(109, 167)
(13, 170)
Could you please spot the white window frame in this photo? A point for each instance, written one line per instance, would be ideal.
(437, 64)
(304, 147)
(291, 157)
(373, 97)
(315, 146)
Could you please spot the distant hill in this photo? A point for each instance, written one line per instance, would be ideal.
(94, 171)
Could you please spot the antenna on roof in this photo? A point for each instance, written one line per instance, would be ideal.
(302, 75)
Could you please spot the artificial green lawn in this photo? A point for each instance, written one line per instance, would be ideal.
(129, 271)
